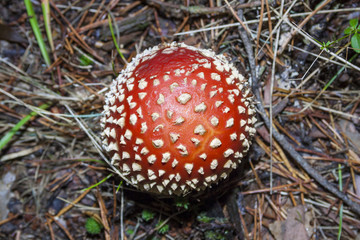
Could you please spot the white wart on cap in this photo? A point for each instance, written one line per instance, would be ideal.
(177, 119)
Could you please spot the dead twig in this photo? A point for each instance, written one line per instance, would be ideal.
(178, 11)
(293, 32)
(68, 207)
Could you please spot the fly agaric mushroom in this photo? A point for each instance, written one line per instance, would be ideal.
(177, 119)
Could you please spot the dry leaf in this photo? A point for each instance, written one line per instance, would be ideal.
(295, 227)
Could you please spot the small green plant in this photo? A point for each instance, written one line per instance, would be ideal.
(214, 235)
(182, 203)
(352, 32)
(147, 215)
(92, 226)
(130, 231)
(204, 219)
(326, 45)
(164, 227)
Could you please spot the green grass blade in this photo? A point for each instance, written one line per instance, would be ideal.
(5, 139)
(98, 183)
(338, 73)
(118, 188)
(46, 14)
(341, 207)
(89, 160)
(114, 39)
(36, 29)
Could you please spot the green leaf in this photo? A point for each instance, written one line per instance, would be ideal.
(353, 22)
(355, 42)
(348, 31)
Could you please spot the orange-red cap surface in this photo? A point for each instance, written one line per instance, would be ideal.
(177, 119)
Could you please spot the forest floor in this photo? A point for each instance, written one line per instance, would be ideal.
(301, 182)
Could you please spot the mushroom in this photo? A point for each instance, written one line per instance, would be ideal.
(177, 119)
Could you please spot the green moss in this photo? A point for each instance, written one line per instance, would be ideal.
(92, 226)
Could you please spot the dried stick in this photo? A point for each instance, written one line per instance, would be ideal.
(178, 11)
(293, 32)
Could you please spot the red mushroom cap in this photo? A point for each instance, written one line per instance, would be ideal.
(177, 119)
